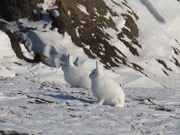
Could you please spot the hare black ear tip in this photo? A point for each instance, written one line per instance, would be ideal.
(97, 62)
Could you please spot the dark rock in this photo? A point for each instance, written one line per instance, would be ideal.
(164, 64)
(2, 25)
(12, 10)
(17, 49)
(176, 62)
(132, 33)
(90, 29)
(2, 132)
(86, 29)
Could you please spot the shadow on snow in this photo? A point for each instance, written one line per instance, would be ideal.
(68, 97)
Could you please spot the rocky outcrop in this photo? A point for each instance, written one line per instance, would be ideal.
(17, 49)
(86, 28)
(2, 132)
(12, 10)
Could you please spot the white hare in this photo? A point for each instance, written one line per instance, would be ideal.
(76, 76)
(106, 90)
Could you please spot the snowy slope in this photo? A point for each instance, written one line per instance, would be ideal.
(151, 53)
(158, 37)
(43, 105)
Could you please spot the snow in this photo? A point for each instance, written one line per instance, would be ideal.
(47, 4)
(5, 46)
(35, 98)
(6, 53)
(45, 107)
(55, 13)
(40, 101)
(82, 8)
(45, 42)
(153, 10)
(157, 37)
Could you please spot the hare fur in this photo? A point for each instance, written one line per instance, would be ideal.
(105, 89)
(76, 76)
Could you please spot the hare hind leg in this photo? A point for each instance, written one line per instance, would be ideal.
(100, 102)
(119, 105)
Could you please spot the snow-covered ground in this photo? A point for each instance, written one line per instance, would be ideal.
(35, 99)
(36, 104)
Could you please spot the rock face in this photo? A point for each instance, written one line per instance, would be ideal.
(86, 29)
(12, 10)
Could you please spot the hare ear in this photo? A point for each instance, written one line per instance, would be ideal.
(98, 67)
(76, 62)
(70, 60)
(68, 57)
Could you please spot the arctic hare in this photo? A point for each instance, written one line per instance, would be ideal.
(106, 90)
(76, 76)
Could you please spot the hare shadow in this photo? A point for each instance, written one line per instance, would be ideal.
(68, 97)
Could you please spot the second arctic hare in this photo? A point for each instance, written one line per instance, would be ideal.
(106, 90)
(76, 76)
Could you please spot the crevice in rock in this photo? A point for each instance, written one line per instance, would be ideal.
(176, 62)
(164, 64)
